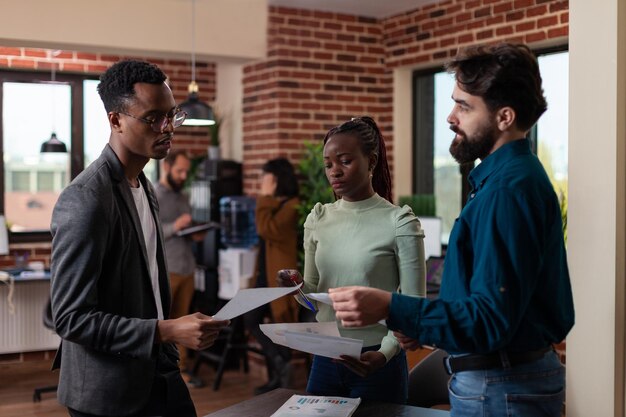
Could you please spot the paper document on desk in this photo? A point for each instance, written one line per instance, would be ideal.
(312, 405)
(323, 297)
(249, 299)
(276, 331)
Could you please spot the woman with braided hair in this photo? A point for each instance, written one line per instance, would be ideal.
(361, 239)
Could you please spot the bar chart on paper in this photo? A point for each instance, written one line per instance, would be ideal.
(310, 405)
(322, 400)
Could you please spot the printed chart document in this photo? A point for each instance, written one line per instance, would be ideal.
(317, 338)
(249, 299)
(310, 405)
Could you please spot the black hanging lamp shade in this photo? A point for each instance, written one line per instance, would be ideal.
(198, 112)
(53, 144)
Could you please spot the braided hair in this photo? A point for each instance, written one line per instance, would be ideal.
(364, 128)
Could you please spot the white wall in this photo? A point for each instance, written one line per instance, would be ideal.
(225, 29)
(596, 226)
(402, 132)
(229, 105)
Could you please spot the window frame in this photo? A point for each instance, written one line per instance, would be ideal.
(423, 129)
(77, 160)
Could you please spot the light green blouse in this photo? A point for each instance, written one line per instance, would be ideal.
(371, 243)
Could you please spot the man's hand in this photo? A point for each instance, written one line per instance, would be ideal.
(194, 331)
(368, 363)
(360, 306)
(406, 342)
(184, 220)
(198, 236)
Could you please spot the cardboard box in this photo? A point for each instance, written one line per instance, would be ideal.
(236, 268)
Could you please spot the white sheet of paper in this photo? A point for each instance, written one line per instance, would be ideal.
(276, 331)
(249, 299)
(323, 297)
(329, 346)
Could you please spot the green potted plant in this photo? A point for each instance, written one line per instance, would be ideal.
(421, 204)
(314, 187)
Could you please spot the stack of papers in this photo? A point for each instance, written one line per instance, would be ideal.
(310, 405)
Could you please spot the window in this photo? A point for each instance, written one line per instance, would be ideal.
(551, 129)
(434, 169)
(31, 113)
(32, 108)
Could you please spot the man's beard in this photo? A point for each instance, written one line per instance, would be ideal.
(175, 186)
(471, 148)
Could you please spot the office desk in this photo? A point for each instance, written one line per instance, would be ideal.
(24, 331)
(265, 405)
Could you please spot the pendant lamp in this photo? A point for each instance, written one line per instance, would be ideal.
(198, 112)
(53, 144)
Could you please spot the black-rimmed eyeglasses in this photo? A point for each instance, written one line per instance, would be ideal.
(159, 123)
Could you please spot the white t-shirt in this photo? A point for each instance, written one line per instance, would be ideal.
(150, 238)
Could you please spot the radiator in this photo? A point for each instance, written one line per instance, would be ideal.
(24, 331)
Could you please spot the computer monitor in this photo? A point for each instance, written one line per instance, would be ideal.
(432, 236)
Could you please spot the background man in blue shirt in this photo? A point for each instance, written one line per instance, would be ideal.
(505, 295)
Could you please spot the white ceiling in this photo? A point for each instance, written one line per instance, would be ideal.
(371, 8)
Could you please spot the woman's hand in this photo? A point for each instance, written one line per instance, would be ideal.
(268, 184)
(368, 362)
(407, 343)
(289, 278)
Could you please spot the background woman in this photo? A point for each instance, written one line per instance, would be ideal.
(361, 238)
(276, 223)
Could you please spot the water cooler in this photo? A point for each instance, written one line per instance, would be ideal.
(239, 239)
(215, 179)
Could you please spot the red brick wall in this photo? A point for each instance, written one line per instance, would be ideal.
(434, 32)
(323, 68)
(194, 139)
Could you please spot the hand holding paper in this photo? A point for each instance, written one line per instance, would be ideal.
(323, 297)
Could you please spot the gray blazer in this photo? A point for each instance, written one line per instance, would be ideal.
(102, 299)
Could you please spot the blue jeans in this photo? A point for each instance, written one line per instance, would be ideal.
(387, 384)
(535, 389)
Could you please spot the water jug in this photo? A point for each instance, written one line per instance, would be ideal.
(237, 221)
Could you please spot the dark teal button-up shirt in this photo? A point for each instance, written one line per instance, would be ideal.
(505, 282)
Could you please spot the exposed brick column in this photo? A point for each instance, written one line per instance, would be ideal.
(322, 69)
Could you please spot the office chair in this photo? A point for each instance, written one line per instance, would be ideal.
(49, 324)
(428, 381)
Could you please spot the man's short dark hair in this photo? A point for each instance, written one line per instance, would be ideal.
(503, 75)
(117, 84)
(170, 159)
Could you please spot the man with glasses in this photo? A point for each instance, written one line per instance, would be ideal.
(110, 291)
